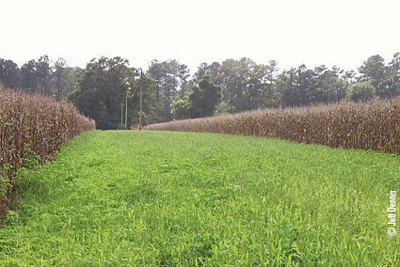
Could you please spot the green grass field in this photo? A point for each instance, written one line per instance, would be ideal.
(123, 198)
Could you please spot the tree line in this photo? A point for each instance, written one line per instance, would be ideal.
(108, 89)
(41, 76)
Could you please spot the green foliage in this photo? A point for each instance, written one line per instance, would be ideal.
(42, 76)
(222, 108)
(102, 90)
(172, 82)
(10, 75)
(374, 71)
(121, 126)
(181, 109)
(205, 97)
(361, 92)
(43, 72)
(245, 85)
(123, 198)
(393, 74)
(149, 103)
(302, 86)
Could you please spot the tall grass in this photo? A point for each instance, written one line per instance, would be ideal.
(120, 198)
(32, 129)
(374, 125)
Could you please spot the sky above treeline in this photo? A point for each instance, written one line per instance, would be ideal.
(313, 32)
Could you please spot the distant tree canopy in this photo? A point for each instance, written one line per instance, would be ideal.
(41, 76)
(172, 83)
(361, 92)
(102, 89)
(106, 86)
(201, 102)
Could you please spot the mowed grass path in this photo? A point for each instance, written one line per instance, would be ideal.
(123, 198)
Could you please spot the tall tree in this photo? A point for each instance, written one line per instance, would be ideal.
(270, 97)
(361, 92)
(60, 76)
(103, 89)
(245, 84)
(71, 77)
(172, 83)
(205, 97)
(234, 79)
(394, 76)
(29, 77)
(374, 71)
(183, 75)
(10, 74)
(43, 73)
(330, 87)
(147, 86)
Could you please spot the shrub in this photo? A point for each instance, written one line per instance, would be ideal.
(181, 109)
(361, 92)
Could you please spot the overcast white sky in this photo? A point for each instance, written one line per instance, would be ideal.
(340, 32)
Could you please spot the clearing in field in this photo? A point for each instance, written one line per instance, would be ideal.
(162, 198)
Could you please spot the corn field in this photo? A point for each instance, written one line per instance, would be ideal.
(370, 126)
(32, 129)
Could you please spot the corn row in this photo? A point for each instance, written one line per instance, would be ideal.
(32, 129)
(370, 126)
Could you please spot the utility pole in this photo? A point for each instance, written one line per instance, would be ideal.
(122, 114)
(128, 88)
(126, 109)
(165, 101)
(141, 100)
